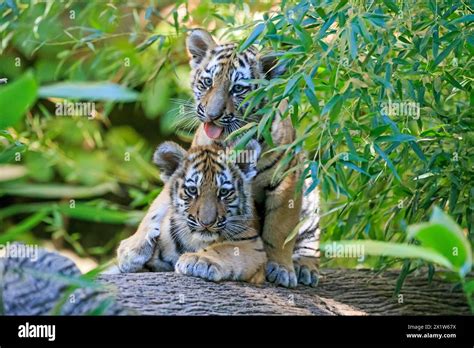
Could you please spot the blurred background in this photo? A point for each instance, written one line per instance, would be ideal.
(380, 93)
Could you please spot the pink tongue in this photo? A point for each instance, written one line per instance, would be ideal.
(212, 130)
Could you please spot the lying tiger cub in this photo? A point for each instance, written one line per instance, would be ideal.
(210, 230)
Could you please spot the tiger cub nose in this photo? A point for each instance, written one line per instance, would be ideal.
(206, 223)
(214, 115)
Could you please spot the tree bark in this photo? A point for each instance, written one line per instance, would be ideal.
(340, 292)
(42, 286)
(45, 283)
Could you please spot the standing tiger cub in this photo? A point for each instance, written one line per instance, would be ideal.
(209, 230)
(220, 79)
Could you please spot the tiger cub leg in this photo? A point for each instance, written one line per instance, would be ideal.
(241, 260)
(282, 212)
(134, 252)
(306, 253)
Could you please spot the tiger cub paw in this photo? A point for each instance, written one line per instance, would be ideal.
(193, 264)
(133, 253)
(306, 270)
(281, 275)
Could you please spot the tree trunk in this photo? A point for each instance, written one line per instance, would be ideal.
(42, 286)
(340, 292)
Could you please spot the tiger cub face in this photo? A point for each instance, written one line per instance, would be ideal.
(210, 194)
(219, 80)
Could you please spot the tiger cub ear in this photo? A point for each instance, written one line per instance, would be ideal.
(271, 68)
(198, 43)
(248, 163)
(168, 156)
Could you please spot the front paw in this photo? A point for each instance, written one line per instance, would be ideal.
(281, 275)
(306, 270)
(192, 264)
(133, 254)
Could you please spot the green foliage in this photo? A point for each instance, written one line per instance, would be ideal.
(446, 237)
(16, 99)
(442, 242)
(382, 101)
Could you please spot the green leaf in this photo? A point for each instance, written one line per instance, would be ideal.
(102, 307)
(309, 91)
(93, 91)
(241, 130)
(467, 18)
(330, 104)
(333, 107)
(391, 5)
(291, 84)
(379, 130)
(417, 149)
(176, 21)
(352, 36)
(323, 31)
(377, 248)
(313, 100)
(395, 138)
(55, 190)
(376, 19)
(16, 99)
(148, 42)
(268, 118)
(446, 52)
(245, 139)
(340, 5)
(305, 38)
(102, 215)
(23, 227)
(444, 236)
(388, 161)
(356, 168)
(448, 77)
(363, 29)
(257, 31)
(469, 287)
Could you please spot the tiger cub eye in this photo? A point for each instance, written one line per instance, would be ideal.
(207, 82)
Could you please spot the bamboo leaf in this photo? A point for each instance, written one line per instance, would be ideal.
(446, 52)
(257, 31)
(93, 91)
(16, 99)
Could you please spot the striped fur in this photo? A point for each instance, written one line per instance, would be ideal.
(220, 79)
(210, 230)
(216, 70)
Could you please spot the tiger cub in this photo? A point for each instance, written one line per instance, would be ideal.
(209, 230)
(220, 80)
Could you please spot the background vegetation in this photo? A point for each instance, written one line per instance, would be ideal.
(84, 183)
